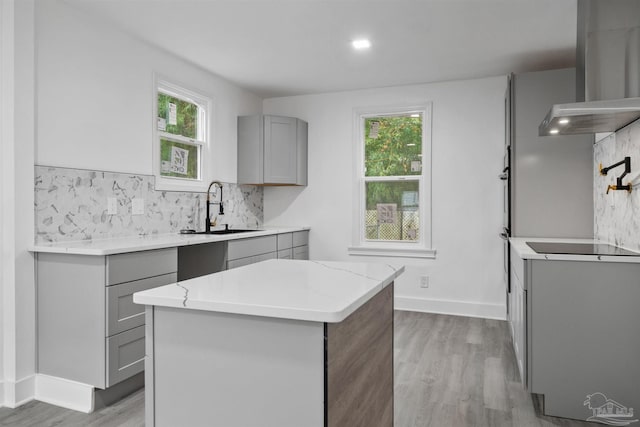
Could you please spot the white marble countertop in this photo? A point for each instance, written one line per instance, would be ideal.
(143, 243)
(519, 244)
(318, 291)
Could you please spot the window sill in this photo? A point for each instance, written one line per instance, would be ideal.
(392, 252)
(162, 184)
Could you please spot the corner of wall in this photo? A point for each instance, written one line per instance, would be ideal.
(17, 114)
(19, 392)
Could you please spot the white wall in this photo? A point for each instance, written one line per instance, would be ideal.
(93, 101)
(6, 97)
(468, 141)
(95, 90)
(17, 141)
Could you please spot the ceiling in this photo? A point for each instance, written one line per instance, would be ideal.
(291, 47)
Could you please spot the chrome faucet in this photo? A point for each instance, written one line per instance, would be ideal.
(207, 225)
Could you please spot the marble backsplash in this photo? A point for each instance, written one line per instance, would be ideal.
(71, 204)
(617, 214)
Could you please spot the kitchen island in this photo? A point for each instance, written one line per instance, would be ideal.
(276, 343)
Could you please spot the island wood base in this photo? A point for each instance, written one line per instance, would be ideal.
(210, 368)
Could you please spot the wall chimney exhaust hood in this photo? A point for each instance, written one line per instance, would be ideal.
(590, 117)
(607, 71)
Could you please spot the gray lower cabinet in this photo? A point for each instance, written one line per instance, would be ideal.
(574, 328)
(301, 244)
(89, 329)
(582, 334)
(250, 250)
(518, 314)
(246, 251)
(294, 245)
(272, 150)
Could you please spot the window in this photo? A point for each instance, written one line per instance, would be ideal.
(393, 186)
(181, 137)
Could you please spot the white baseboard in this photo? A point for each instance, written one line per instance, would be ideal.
(14, 394)
(64, 393)
(456, 308)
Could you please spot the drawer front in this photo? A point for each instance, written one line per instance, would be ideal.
(125, 355)
(243, 248)
(285, 241)
(235, 263)
(301, 252)
(285, 254)
(122, 313)
(264, 257)
(131, 266)
(301, 238)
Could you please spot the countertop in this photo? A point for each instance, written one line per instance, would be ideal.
(120, 245)
(318, 291)
(519, 244)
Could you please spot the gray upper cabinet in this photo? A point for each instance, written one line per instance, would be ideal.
(272, 150)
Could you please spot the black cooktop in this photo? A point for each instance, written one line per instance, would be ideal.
(579, 249)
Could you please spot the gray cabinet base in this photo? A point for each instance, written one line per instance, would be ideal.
(103, 398)
(584, 337)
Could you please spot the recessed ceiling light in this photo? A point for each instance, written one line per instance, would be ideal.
(554, 131)
(563, 121)
(361, 44)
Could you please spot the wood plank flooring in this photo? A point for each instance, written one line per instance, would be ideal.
(449, 371)
(460, 371)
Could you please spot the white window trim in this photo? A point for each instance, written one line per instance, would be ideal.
(361, 246)
(204, 138)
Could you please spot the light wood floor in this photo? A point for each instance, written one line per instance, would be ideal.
(449, 371)
(460, 371)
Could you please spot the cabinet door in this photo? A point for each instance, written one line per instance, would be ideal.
(301, 238)
(285, 254)
(301, 252)
(125, 355)
(518, 325)
(122, 312)
(285, 241)
(250, 150)
(242, 248)
(264, 257)
(280, 150)
(235, 263)
(302, 152)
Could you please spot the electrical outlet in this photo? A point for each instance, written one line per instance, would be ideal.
(424, 281)
(112, 206)
(137, 206)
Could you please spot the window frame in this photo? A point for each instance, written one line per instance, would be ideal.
(203, 139)
(421, 248)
